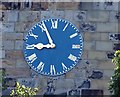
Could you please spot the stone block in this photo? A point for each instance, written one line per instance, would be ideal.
(10, 16)
(21, 63)
(44, 5)
(42, 82)
(71, 5)
(52, 14)
(69, 14)
(36, 6)
(99, 84)
(86, 67)
(106, 5)
(52, 5)
(86, 5)
(97, 55)
(98, 5)
(65, 84)
(114, 16)
(104, 46)
(23, 26)
(92, 37)
(8, 45)
(80, 15)
(107, 27)
(12, 36)
(18, 45)
(108, 65)
(39, 6)
(14, 54)
(7, 27)
(103, 84)
(77, 72)
(80, 73)
(26, 16)
(69, 75)
(89, 45)
(60, 6)
(17, 72)
(105, 36)
(2, 54)
(108, 74)
(8, 63)
(98, 16)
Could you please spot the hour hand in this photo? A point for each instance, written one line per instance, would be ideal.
(40, 46)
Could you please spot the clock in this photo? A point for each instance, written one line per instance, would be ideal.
(53, 47)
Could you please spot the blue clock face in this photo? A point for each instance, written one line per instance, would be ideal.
(53, 47)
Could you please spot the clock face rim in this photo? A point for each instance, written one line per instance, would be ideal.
(80, 51)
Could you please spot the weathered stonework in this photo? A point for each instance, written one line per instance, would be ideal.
(12, 36)
(52, 14)
(104, 46)
(98, 16)
(107, 27)
(28, 16)
(7, 27)
(98, 24)
(8, 16)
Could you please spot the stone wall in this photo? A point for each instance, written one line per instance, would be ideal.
(98, 23)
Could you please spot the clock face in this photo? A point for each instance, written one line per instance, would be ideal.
(53, 47)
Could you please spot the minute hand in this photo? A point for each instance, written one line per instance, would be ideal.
(49, 38)
(43, 27)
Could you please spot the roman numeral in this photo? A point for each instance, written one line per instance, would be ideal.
(65, 27)
(73, 35)
(54, 24)
(30, 46)
(40, 66)
(64, 67)
(33, 35)
(75, 46)
(52, 69)
(72, 57)
(42, 26)
(32, 58)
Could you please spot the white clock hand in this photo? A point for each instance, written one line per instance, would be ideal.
(50, 39)
(41, 46)
(43, 27)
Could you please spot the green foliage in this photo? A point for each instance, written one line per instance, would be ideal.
(2, 79)
(22, 91)
(114, 85)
